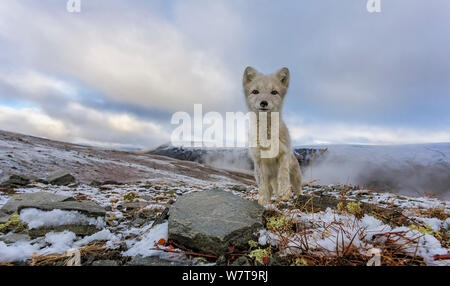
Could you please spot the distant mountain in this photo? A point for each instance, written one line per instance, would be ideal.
(405, 169)
(228, 158)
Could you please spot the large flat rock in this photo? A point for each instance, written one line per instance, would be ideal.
(212, 221)
(16, 202)
(85, 207)
(47, 202)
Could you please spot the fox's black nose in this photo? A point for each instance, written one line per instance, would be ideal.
(263, 104)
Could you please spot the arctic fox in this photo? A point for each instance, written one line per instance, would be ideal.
(280, 175)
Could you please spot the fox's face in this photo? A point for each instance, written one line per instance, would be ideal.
(265, 93)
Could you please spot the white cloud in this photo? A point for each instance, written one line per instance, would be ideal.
(31, 121)
(35, 84)
(140, 59)
(93, 127)
(345, 133)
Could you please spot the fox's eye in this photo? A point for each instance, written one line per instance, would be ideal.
(255, 91)
(274, 92)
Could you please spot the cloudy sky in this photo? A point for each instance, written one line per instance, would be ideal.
(114, 74)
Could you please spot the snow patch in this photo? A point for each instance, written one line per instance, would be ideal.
(36, 218)
(149, 240)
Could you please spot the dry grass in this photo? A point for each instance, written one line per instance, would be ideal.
(96, 249)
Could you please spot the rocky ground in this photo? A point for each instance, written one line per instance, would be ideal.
(63, 204)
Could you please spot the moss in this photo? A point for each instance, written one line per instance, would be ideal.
(260, 255)
(130, 197)
(355, 208)
(13, 224)
(278, 223)
(300, 261)
(422, 229)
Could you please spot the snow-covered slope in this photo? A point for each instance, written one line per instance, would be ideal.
(37, 158)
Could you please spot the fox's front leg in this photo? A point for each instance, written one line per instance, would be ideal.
(284, 186)
(263, 185)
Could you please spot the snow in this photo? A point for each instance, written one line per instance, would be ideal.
(59, 242)
(103, 235)
(149, 240)
(435, 223)
(50, 244)
(19, 251)
(37, 218)
(426, 247)
(330, 233)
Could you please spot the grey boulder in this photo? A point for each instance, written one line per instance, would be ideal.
(212, 221)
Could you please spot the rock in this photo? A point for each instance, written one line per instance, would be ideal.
(16, 181)
(79, 230)
(221, 261)
(105, 263)
(161, 217)
(4, 217)
(239, 188)
(14, 237)
(154, 261)
(241, 261)
(132, 206)
(61, 178)
(212, 221)
(86, 207)
(32, 199)
(95, 183)
(111, 182)
(138, 222)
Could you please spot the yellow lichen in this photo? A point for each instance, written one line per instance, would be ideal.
(13, 224)
(259, 254)
(253, 244)
(279, 223)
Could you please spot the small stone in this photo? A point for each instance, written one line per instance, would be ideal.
(61, 178)
(16, 181)
(241, 261)
(95, 183)
(4, 217)
(221, 261)
(137, 222)
(79, 230)
(154, 261)
(14, 237)
(105, 263)
(239, 188)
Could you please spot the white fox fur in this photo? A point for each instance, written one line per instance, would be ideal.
(280, 175)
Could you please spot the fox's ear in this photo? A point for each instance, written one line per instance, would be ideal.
(249, 74)
(283, 76)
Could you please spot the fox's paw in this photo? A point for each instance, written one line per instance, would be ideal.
(263, 201)
(285, 194)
